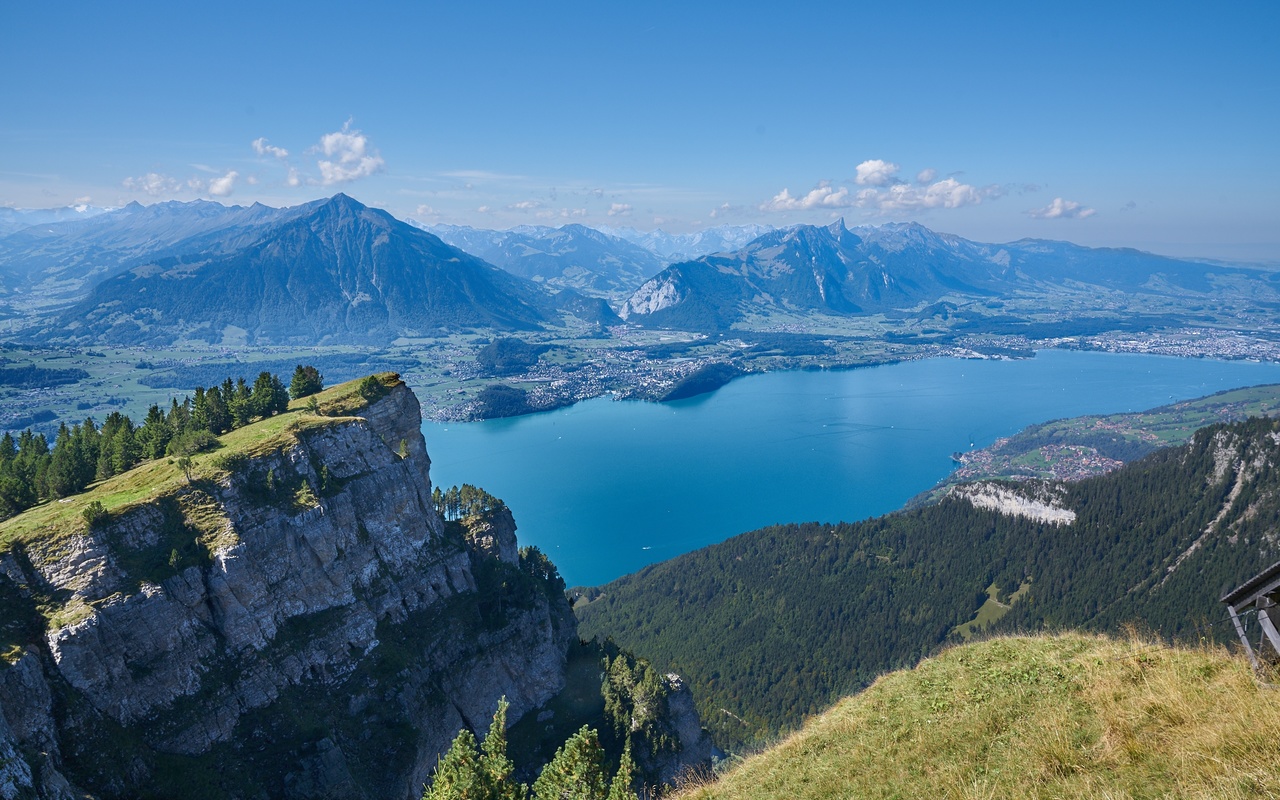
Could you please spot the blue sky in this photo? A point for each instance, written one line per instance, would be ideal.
(1151, 125)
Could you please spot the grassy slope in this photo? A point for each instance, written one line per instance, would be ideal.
(53, 524)
(1042, 717)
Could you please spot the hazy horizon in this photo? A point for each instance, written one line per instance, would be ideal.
(1144, 126)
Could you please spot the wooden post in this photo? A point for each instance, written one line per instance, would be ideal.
(1268, 628)
(1248, 648)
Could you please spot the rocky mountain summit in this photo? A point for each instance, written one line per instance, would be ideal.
(842, 271)
(289, 616)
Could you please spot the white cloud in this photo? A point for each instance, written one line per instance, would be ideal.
(1062, 209)
(153, 183)
(926, 176)
(426, 211)
(824, 195)
(620, 210)
(221, 187)
(524, 205)
(294, 179)
(82, 201)
(484, 209)
(564, 213)
(876, 172)
(261, 147)
(475, 174)
(946, 193)
(348, 156)
(897, 197)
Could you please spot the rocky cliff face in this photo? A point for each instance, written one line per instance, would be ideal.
(306, 626)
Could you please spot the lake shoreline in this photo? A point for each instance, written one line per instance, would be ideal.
(605, 488)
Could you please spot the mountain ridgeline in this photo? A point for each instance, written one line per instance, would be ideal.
(572, 256)
(772, 626)
(840, 271)
(336, 272)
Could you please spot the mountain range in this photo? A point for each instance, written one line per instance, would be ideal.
(335, 271)
(16, 219)
(572, 256)
(671, 247)
(842, 271)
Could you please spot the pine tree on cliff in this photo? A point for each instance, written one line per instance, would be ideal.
(495, 767)
(468, 772)
(458, 774)
(620, 789)
(483, 772)
(576, 772)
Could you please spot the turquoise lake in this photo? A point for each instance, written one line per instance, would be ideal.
(606, 487)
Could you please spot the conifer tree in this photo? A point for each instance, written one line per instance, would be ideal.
(620, 788)
(264, 402)
(61, 473)
(458, 775)
(240, 404)
(495, 767)
(576, 772)
(200, 411)
(307, 380)
(218, 413)
(154, 435)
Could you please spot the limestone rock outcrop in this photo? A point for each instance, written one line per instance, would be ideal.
(330, 639)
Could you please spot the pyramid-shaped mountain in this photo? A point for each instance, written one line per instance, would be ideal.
(327, 272)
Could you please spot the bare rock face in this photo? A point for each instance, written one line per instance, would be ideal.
(494, 535)
(1034, 500)
(331, 642)
(695, 742)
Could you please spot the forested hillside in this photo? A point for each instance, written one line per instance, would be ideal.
(773, 625)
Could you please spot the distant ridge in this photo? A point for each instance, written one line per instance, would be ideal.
(685, 246)
(572, 256)
(16, 219)
(62, 260)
